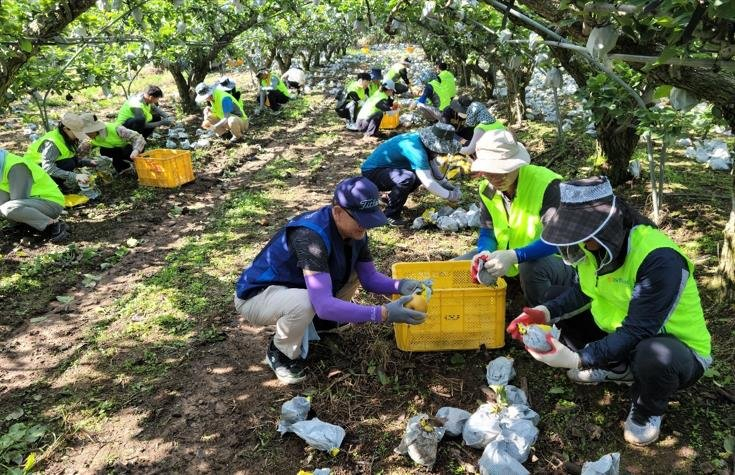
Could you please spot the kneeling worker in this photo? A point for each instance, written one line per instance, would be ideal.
(310, 269)
(273, 89)
(224, 113)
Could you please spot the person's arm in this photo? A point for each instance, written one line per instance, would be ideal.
(20, 181)
(84, 150)
(49, 154)
(534, 251)
(428, 92)
(404, 75)
(487, 240)
(431, 184)
(660, 282)
(138, 114)
(132, 137)
(352, 96)
(373, 281)
(469, 149)
(385, 105)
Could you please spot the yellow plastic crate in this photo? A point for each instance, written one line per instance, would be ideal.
(390, 120)
(409, 49)
(164, 168)
(461, 315)
(365, 50)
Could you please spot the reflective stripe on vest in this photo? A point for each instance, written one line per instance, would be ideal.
(217, 97)
(441, 91)
(611, 293)
(111, 140)
(370, 106)
(134, 102)
(43, 188)
(354, 87)
(497, 125)
(34, 151)
(523, 225)
(449, 82)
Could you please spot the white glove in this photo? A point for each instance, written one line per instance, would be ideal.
(560, 357)
(134, 154)
(499, 262)
(82, 178)
(257, 111)
(455, 195)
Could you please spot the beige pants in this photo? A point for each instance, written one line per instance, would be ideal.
(290, 310)
(234, 124)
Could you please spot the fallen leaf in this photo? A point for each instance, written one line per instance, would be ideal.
(131, 242)
(16, 414)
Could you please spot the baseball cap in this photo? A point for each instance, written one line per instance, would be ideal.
(361, 198)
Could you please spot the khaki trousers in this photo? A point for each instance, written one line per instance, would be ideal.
(289, 309)
(236, 125)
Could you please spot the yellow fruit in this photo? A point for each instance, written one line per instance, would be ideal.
(418, 303)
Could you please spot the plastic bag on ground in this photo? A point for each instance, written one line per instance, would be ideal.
(319, 434)
(420, 440)
(496, 461)
(454, 420)
(482, 427)
(293, 411)
(608, 464)
(515, 395)
(447, 223)
(499, 371)
(518, 435)
(520, 411)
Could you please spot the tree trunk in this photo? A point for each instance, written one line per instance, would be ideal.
(182, 86)
(43, 28)
(488, 78)
(725, 280)
(618, 142)
(516, 81)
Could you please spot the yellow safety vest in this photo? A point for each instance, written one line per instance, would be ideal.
(34, 151)
(43, 188)
(217, 97)
(134, 102)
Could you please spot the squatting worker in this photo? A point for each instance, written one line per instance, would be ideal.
(141, 112)
(273, 91)
(644, 323)
(119, 143)
(223, 113)
(29, 196)
(309, 271)
(514, 196)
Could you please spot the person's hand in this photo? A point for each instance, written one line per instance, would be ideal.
(257, 111)
(397, 313)
(478, 260)
(455, 195)
(498, 263)
(134, 154)
(539, 315)
(82, 178)
(410, 286)
(560, 356)
(93, 163)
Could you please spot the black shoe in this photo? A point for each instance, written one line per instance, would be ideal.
(226, 136)
(398, 222)
(287, 370)
(327, 326)
(58, 231)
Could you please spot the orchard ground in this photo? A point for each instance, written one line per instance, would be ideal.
(143, 366)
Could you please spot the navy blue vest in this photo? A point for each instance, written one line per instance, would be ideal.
(276, 263)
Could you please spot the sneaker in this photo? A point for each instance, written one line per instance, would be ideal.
(287, 370)
(58, 231)
(398, 222)
(352, 127)
(597, 375)
(226, 136)
(639, 429)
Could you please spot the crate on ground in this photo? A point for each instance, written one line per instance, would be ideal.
(461, 315)
(164, 168)
(390, 120)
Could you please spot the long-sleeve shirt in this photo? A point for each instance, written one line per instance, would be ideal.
(659, 284)
(469, 149)
(131, 136)
(49, 154)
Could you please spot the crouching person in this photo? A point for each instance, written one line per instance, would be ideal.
(223, 114)
(306, 275)
(28, 195)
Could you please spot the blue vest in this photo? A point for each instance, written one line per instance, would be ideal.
(276, 264)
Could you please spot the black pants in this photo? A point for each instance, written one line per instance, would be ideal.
(371, 125)
(69, 165)
(141, 126)
(348, 111)
(120, 156)
(276, 98)
(398, 182)
(401, 88)
(294, 85)
(661, 364)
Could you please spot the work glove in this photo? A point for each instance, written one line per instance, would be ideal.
(539, 315)
(498, 263)
(455, 195)
(410, 286)
(82, 178)
(478, 260)
(397, 313)
(560, 356)
(134, 154)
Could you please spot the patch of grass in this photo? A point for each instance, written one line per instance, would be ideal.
(277, 171)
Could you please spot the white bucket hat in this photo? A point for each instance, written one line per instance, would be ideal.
(498, 152)
(203, 92)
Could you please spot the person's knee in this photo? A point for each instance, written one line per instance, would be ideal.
(653, 356)
(11, 209)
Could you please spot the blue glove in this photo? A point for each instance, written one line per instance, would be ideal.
(410, 286)
(397, 313)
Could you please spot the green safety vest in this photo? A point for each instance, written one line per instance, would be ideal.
(497, 125)
(523, 225)
(394, 73)
(34, 151)
(611, 293)
(354, 87)
(440, 89)
(280, 86)
(373, 88)
(134, 102)
(43, 188)
(111, 139)
(449, 83)
(217, 97)
(370, 106)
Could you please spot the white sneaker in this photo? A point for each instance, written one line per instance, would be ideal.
(352, 126)
(640, 431)
(597, 375)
